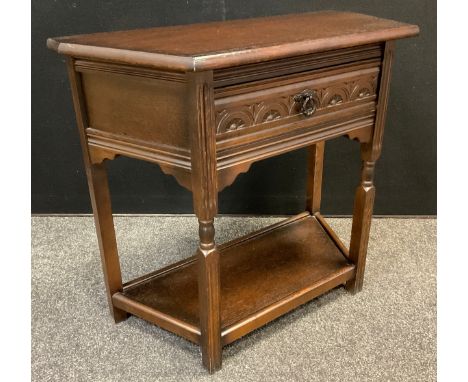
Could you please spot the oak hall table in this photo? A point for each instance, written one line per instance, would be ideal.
(204, 102)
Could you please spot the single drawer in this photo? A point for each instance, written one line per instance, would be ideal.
(273, 107)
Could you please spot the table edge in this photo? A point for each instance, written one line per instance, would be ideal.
(228, 59)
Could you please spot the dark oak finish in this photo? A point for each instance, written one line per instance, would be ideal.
(204, 107)
(205, 203)
(365, 193)
(101, 203)
(217, 45)
(279, 272)
(314, 177)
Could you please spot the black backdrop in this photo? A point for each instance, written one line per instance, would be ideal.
(406, 172)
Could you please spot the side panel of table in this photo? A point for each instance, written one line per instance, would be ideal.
(139, 113)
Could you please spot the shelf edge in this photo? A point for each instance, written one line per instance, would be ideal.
(275, 310)
(332, 234)
(156, 317)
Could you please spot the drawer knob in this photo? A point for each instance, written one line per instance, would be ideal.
(307, 102)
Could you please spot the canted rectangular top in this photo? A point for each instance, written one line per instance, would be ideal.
(214, 45)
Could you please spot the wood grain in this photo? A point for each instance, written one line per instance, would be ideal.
(215, 45)
(150, 109)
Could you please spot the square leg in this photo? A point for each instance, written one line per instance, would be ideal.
(100, 200)
(314, 177)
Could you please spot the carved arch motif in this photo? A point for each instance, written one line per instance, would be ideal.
(235, 120)
(363, 87)
(270, 110)
(333, 96)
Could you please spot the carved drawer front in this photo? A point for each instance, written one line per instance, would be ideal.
(267, 108)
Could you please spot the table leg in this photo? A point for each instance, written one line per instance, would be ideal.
(101, 202)
(362, 216)
(209, 296)
(314, 177)
(365, 193)
(205, 203)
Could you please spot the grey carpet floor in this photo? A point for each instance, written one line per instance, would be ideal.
(385, 333)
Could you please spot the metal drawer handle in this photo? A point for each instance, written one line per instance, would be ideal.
(307, 101)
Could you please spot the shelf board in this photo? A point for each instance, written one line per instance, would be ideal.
(263, 275)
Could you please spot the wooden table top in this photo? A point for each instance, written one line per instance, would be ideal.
(228, 43)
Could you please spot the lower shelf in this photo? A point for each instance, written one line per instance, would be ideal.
(263, 275)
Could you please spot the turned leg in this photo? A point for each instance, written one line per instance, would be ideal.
(365, 193)
(205, 204)
(314, 177)
(362, 216)
(101, 202)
